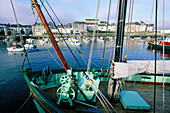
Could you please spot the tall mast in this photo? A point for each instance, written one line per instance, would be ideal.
(114, 85)
(120, 30)
(56, 47)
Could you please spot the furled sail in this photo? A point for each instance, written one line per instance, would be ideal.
(122, 70)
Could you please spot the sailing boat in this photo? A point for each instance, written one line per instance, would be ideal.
(57, 90)
(17, 47)
(160, 44)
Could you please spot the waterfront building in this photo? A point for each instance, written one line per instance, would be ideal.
(8, 29)
(166, 31)
(79, 28)
(102, 25)
(26, 29)
(3, 30)
(38, 29)
(150, 27)
(138, 27)
(91, 21)
(66, 30)
(90, 26)
(112, 27)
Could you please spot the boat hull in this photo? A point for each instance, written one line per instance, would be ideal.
(159, 47)
(43, 101)
(14, 49)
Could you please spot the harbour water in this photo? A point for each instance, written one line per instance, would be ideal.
(13, 89)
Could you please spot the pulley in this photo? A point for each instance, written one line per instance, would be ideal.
(65, 93)
(64, 79)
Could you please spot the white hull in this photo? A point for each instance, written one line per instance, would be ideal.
(29, 46)
(30, 40)
(14, 49)
(76, 43)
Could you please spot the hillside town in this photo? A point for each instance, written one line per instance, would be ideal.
(76, 28)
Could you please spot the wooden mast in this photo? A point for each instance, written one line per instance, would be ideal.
(44, 22)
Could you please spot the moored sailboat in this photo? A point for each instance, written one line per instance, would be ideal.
(160, 44)
(57, 90)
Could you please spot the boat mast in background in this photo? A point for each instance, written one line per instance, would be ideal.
(44, 22)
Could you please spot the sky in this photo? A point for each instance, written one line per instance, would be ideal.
(78, 10)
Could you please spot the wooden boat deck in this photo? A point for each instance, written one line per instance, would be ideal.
(146, 91)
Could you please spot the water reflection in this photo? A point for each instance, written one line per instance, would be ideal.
(16, 53)
(137, 48)
(166, 53)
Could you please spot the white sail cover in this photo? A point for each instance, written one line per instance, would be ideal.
(130, 68)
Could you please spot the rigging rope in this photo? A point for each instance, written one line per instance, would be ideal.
(26, 57)
(113, 49)
(108, 15)
(94, 31)
(86, 76)
(163, 57)
(36, 19)
(21, 38)
(96, 93)
(16, 21)
(104, 99)
(77, 61)
(148, 33)
(92, 62)
(54, 58)
(131, 14)
(60, 33)
(66, 32)
(156, 12)
(100, 100)
(116, 21)
(129, 27)
(128, 33)
(24, 103)
(32, 10)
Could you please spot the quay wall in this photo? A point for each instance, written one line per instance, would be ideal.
(89, 34)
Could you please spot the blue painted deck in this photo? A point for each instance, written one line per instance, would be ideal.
(132, 100)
